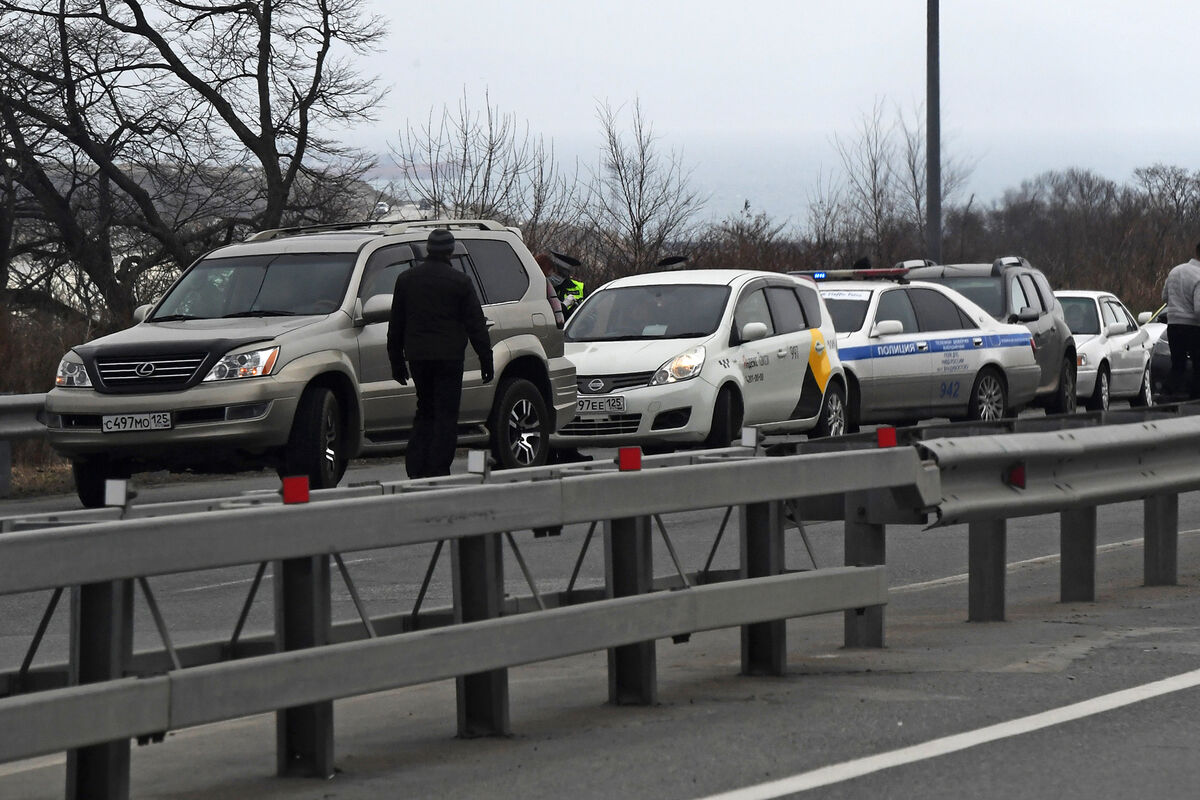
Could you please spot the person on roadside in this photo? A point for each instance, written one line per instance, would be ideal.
(435, 313)
(1181, 291)
(570, 290)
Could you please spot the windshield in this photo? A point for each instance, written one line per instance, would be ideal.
(673, 311)
(292, 284)
(1081, 315)
(848, 309)
(984, 290)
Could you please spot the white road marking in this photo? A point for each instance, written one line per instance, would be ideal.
(837, 773)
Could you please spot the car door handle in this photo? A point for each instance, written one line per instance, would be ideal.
(489, 322)
(922, 345)
(781, 352)
(977, 342)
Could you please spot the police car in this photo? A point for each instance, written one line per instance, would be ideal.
(915, 350)
(689, 357)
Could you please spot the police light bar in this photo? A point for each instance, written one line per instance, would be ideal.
(885, 273)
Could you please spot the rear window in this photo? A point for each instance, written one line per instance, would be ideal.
(986, 291)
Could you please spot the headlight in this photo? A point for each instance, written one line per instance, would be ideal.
(71, 373)
(253, 364)
(1081, 360)
(680, 368)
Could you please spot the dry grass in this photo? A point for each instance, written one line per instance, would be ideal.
(41, 480)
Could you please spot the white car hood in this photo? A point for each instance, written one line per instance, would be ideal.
(615, 358)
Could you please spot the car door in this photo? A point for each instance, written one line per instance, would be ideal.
(799, 395)
(956, 346)
(756, 359)
(386, 404)
(1127, 349)
(1023, 294)
(902, 383)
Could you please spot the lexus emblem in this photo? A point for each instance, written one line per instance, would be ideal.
(145, 369)
(595, 385)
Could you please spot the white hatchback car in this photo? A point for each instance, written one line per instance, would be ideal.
(1113, 351)
(915, 350)
(689, 357)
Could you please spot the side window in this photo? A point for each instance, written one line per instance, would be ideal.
(1043, 287)
(751, 307)
(810, 300)
(935, 311)
(460, 263)
(1016, 296)
(1114, 313)
(786, 310)
(500, 270)
(379, 276)
(894, 304)
(1031, 293)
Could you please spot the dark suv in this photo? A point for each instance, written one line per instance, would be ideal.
(1013, 290)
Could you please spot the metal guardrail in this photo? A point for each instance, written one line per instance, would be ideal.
(20, 418)
(104, 560)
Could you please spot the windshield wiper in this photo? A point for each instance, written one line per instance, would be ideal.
(174, 318)
(261, 312)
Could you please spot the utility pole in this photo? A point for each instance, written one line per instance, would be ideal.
(933, 136)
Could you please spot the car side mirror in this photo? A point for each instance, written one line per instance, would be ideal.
(1115, 329)
(378, 308)
(142, 311)
(887, 327)
(1026, 314)
(753, 331)
(1144, 317)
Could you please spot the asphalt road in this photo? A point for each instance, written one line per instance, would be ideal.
(847, 723)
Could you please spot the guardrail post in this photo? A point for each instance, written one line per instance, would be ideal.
(478, 566)
(1161, 544)
(987, 548)
(629, 570)
(304, 734)
(5, 468)
(764, 644)
(866, 546)
(1077, 543)
(101, 646)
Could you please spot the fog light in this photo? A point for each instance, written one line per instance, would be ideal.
(249, 411)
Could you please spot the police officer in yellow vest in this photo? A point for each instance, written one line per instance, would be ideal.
(570, 290)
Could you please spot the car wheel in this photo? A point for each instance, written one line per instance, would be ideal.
(726, 421)
(833, 420)
(989, 399)
(316, 447)
(1099, 399)
(1145, 396)
(520, 426)
(90, 475)
(1064, 401)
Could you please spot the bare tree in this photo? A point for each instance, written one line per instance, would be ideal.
(910, 170)
(871, 193)
(640, 199)
(155, 128)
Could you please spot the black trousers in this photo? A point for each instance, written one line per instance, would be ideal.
(1185, 346)
(435, 428)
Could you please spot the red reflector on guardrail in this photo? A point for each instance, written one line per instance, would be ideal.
(295, 489)
(629, 459)
(1015, 475)
(886, 437)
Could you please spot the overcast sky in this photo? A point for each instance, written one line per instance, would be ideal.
(752, 92)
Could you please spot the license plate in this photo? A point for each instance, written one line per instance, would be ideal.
(600, 405)
(124, 423)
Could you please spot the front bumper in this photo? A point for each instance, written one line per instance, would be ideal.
(208, 420)
(674, 413)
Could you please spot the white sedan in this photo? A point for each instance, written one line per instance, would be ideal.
(915, 350)
(690, 356)
(1113, 351)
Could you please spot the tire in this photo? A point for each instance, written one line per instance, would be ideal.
(90, 475)
(834, 413)
(989, 397)
(316, 447)
(726, 424)
(1100, 395)
(520, 425)
(1145, 396)
(1064, 400)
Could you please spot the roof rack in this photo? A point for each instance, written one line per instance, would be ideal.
(278, 233)
(883, 273)
(480, 224)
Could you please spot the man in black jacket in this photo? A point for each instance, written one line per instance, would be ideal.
(435, 312)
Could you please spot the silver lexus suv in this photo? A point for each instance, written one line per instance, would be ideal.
(273, 353)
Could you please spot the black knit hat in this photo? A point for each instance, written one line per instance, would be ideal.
(440, 242)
